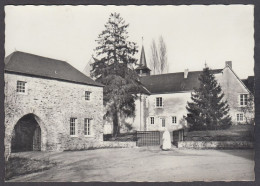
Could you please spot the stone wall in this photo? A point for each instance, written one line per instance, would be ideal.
(103, 144)
(216, 144)
(53, 103)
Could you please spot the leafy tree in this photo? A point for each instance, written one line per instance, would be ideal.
(158, 61)
(208, 111)
(114, 57)
(154, 58)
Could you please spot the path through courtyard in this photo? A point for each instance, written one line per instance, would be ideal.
(144, 164)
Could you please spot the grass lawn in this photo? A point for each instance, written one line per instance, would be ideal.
(17, 166)
(234, 133)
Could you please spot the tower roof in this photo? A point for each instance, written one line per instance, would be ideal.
(142, 63)
(142, 58)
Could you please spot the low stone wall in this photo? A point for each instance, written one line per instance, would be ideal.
(216, 144)
(103, 144)
(118, 144)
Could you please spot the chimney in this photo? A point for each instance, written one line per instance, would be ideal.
(229, 63)
(186, 71)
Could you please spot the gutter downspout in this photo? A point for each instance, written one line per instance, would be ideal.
(140, 112)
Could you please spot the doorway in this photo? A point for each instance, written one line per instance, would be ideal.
(26, 135)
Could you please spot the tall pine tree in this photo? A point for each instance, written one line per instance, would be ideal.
(114, 56)
(208, 110)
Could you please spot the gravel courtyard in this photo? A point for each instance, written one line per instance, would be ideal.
(143, 164)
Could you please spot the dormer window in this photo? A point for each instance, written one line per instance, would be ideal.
(87, 95)
(20, 87)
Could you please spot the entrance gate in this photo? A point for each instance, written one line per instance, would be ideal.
(26, 135)
(147, 138)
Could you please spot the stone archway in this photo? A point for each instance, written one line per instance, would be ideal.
(26, 135)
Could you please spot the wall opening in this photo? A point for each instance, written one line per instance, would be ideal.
(26, 135)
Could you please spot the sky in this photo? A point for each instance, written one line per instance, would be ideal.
(193, 34)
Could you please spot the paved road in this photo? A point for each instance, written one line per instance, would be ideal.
(144, 164)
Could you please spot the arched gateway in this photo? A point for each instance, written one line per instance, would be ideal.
(27, 134)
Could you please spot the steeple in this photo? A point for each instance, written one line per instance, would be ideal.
(142, 68)
(142, 58)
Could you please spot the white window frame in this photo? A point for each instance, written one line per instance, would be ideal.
(243, 100)
(160, 102)
(73, 120)
(238, 117)
(174, 119)
(88, 127)
(87, 95)
(23, 87)
(150, 120)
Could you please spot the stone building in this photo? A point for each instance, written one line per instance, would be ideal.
(49, 105)
(164, 105)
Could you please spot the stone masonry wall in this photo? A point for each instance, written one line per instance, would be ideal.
(215, 145)
(53, 103)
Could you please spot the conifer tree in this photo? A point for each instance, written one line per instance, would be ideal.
(114, 57)
(208, 110)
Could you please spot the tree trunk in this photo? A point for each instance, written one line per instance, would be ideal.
(116, 124)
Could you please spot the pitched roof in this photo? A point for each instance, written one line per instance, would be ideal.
(30, 64)
(142, 63)
(173, 82)
(249, 83)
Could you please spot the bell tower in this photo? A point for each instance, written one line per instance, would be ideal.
(142, 69)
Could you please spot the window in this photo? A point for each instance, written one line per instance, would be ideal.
(87, 131)
(151, 120)
(72, 126)
(87, 95)
(243, 99)
(159, 102)
(240, 117)
(174, 119)
(20, 86)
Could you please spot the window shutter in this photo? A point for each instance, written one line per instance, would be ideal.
(238, 99)
(154, 102)
(162, 102)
